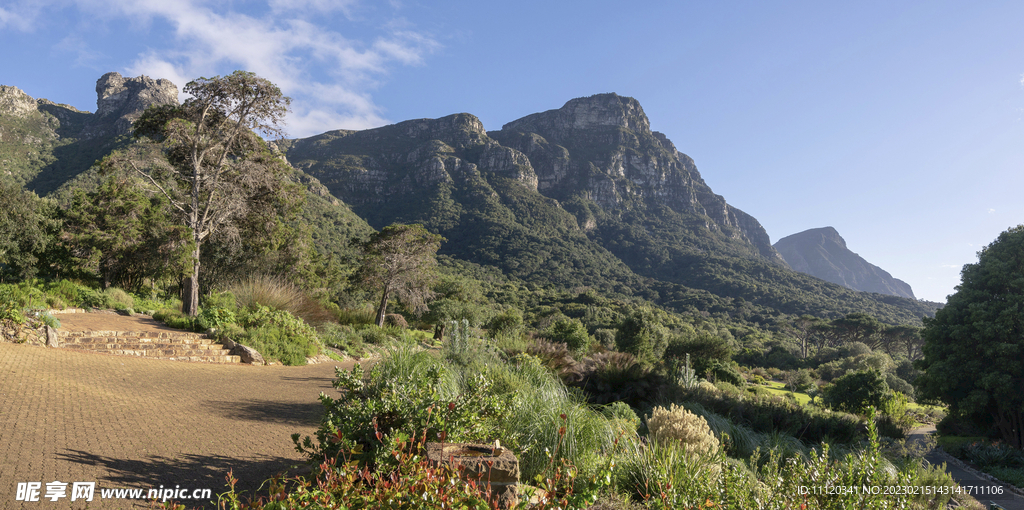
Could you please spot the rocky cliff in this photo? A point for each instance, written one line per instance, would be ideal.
(822, 252)
(570, 195)
(602, 147)
(44, 144)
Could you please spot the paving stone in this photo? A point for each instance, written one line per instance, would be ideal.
(131, 422)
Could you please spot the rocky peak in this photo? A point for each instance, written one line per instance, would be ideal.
(822, 252)
(120, 101)
(597, 111)
(15, 102)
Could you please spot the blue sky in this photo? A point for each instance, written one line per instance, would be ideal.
(897, 123)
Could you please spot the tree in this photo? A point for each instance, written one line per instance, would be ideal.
(642, 335)
(570, 332)
(858, 327)
(974, 347)
(215, 165)
(804, 329)
(855, 392)
(25, 231)
(400, 260)
(122, 236)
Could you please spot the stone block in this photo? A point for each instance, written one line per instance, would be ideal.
(481, 462)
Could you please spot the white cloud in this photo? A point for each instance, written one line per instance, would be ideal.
(329, 76)
(20, 16)
(990, 211)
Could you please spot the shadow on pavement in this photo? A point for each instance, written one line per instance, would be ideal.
(188, 471)
(305, 414)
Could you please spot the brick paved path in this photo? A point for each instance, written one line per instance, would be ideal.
(127, 422)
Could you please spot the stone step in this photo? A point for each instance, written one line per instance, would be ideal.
(141, 334)
(164, 353)
(154, 344)
(203, 349)
(101, 340)
(203, 359)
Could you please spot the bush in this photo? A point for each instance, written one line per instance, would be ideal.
(343, 338)
(276, 344)
(281, 335)
(707, 352)
(620, 411)
(278, 294)
(570, 332)
(676, 424)
(509, 322)
(641, 335)
(67, 291)
(605, 337)
(988, 455)
(118, 299)
(855, 392)
(213, 317)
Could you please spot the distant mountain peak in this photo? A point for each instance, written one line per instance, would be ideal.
(822, 252)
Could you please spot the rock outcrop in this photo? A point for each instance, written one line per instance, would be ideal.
(120, 101)
(15, 102)
(51, 143)
(603, 146)
(822, 252)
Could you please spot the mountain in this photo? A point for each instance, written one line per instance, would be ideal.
(45, 144)
(51, 148)
(822, 252)
(582, 196)
(586, 195)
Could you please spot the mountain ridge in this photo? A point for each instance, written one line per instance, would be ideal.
(582, 196)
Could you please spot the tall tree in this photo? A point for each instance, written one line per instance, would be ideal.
(803, 328)
(859, 327)
(974, 347)
(400, 261)
(122, 236)
(215, 164)
(26, 227)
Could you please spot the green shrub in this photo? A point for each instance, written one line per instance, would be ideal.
(641, 335)
(23, 295)
(707, 352)
(284, 336)
(118, 299)
(225, 300)
(67, 291)
(343, 338)
(621, 411)
(373, 335)
(855, 392)
(180, 322)
(213, 317)
(277, 343)
(988, 455)
(570, 332)
(1012, 475)
(509, 322)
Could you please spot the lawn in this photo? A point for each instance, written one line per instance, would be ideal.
(779, 388)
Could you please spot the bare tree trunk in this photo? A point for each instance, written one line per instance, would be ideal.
(383, 307)
(190, 291)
